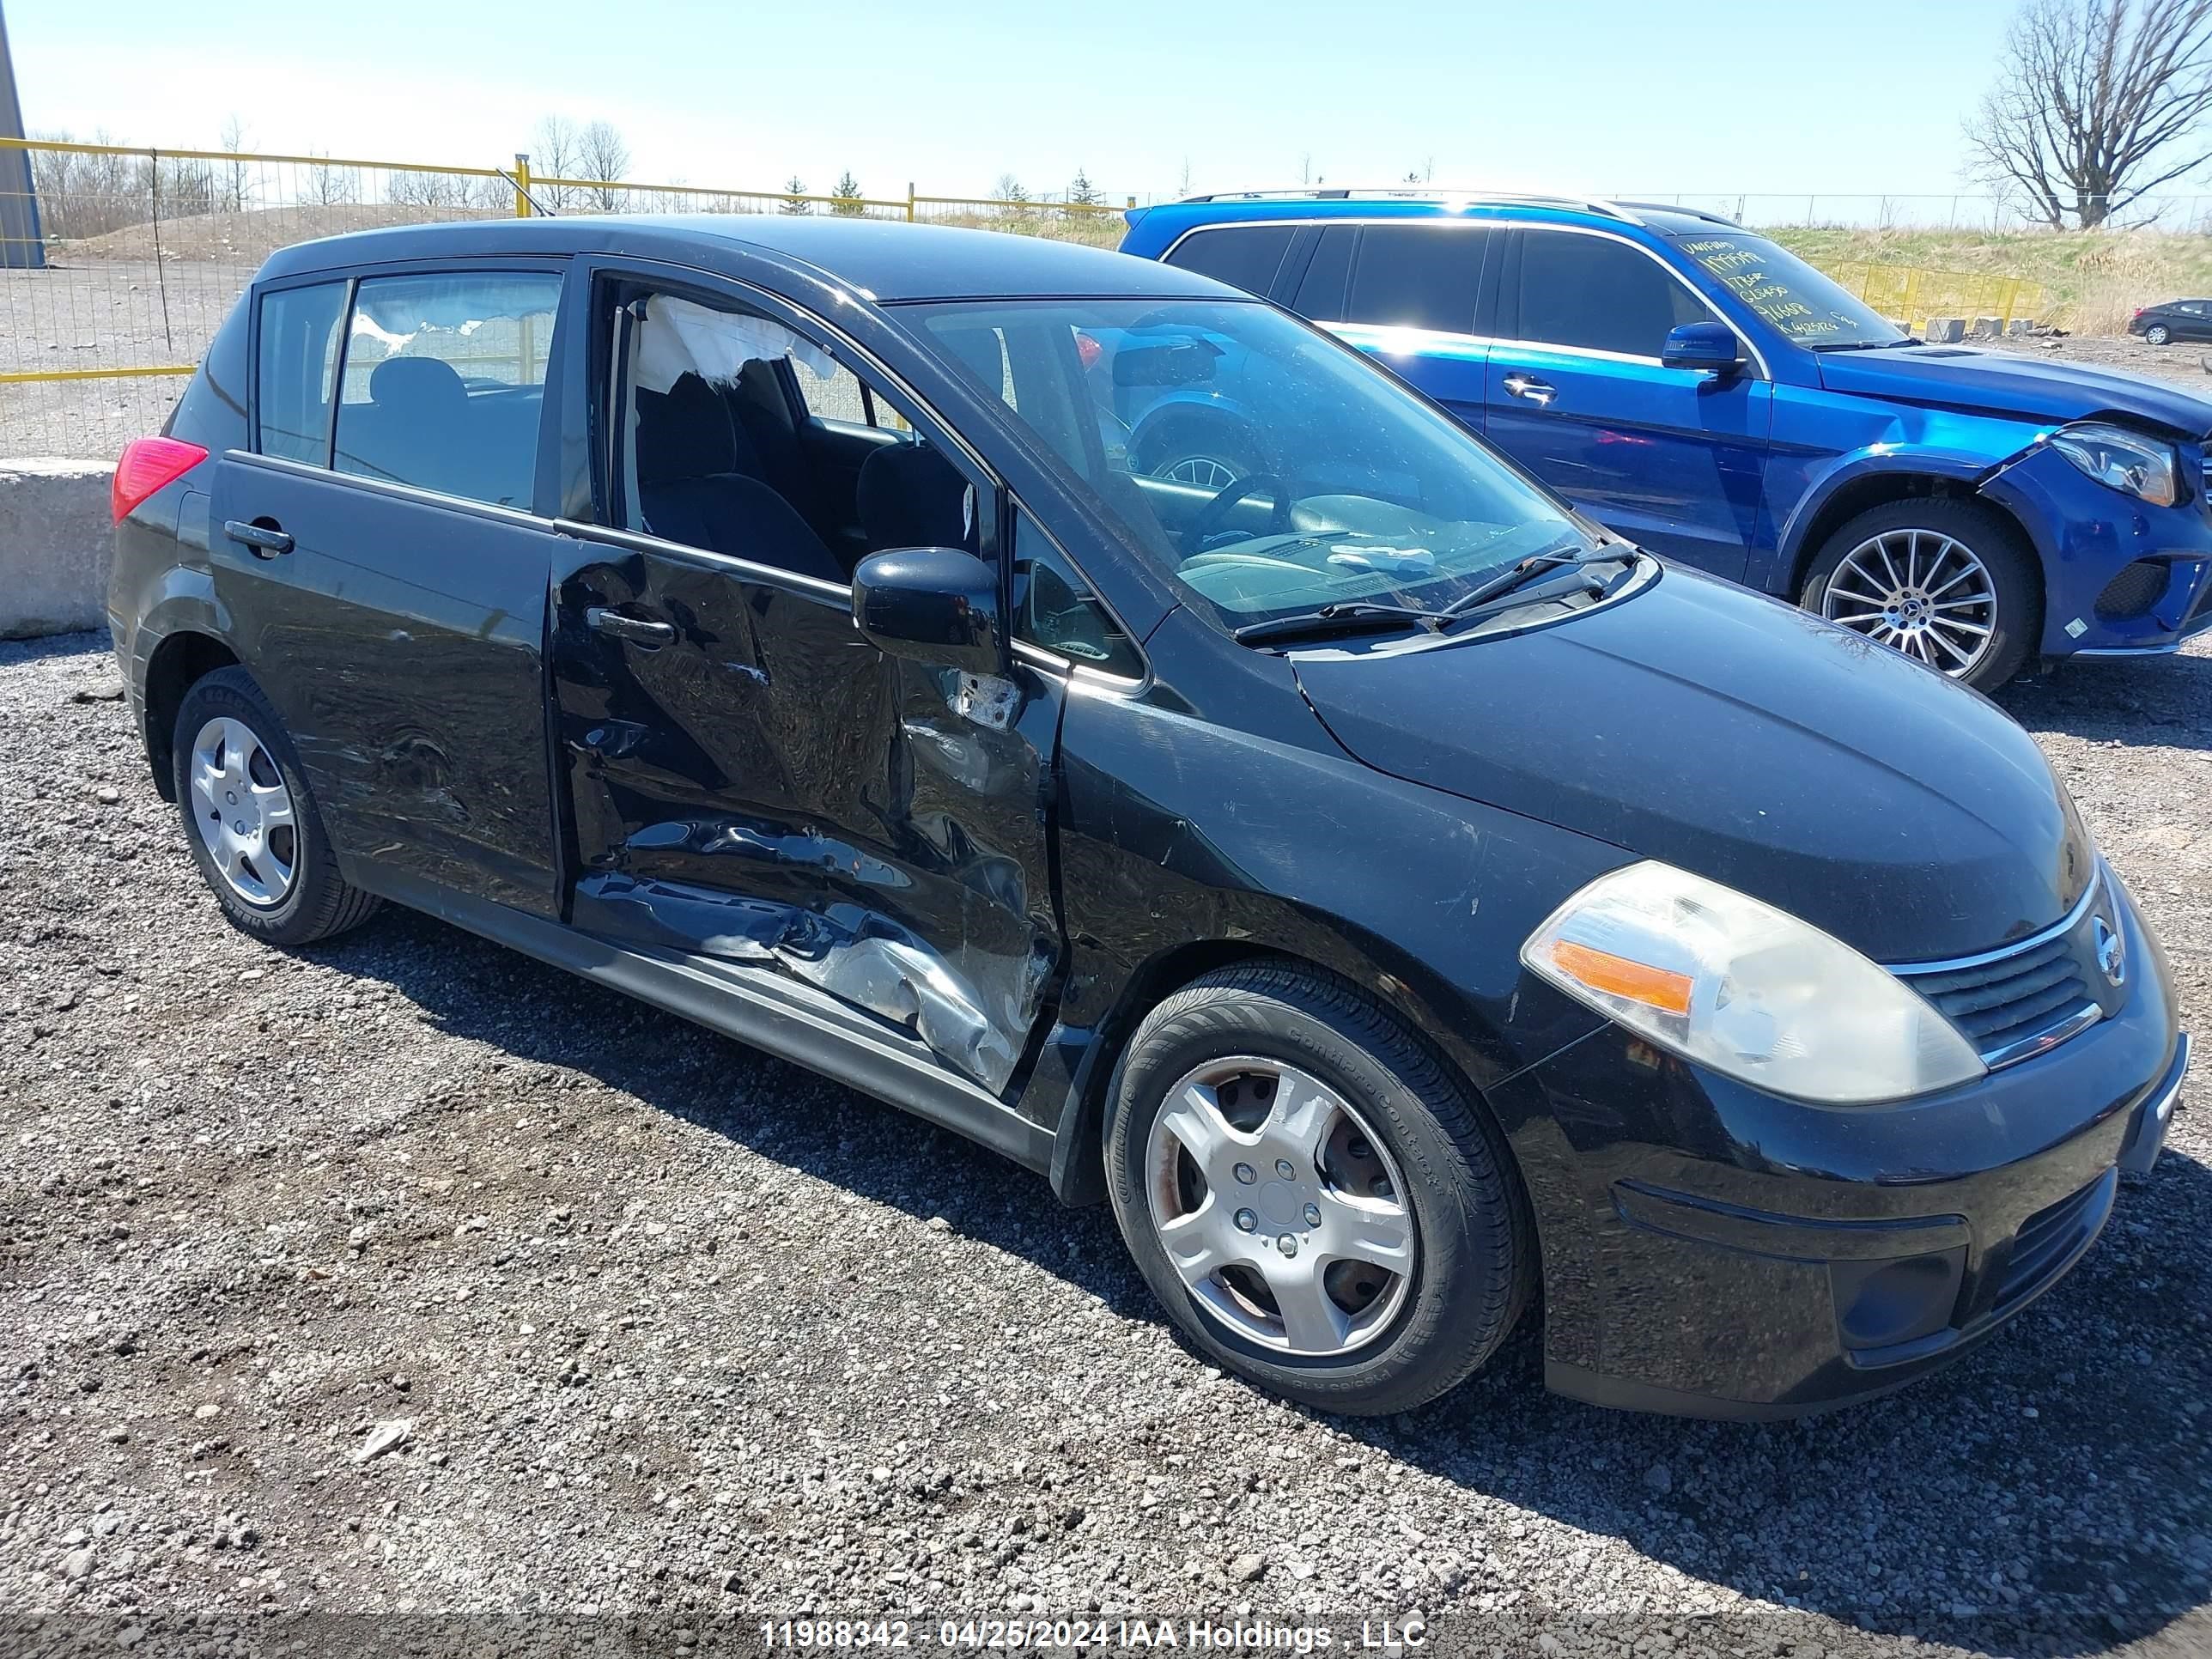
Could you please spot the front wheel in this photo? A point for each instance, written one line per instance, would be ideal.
(1949, 583)
(1315, 1200)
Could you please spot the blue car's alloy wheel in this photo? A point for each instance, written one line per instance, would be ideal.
(1920, 591)
(1947, 583)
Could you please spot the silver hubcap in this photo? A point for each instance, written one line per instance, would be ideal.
(1919, 590)
(1203, 471)
(244, 811)
(1278, 1208)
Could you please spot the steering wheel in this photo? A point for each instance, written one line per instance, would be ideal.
(1208, 518)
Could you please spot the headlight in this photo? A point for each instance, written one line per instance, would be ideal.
(1740, 987)
(2126, 460)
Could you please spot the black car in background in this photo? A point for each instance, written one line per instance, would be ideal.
(2176, 319)
(1405, 902)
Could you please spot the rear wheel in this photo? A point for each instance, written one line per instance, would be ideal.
(2158, 334)
(250, 820)
(1318, 1203)
(1949, 583)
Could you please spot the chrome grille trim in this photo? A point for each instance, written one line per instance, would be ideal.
(2026, 998)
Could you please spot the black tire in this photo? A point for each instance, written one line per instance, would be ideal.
(2158, 334)
(1475, 1265)
(2014, 576)
(319, 901)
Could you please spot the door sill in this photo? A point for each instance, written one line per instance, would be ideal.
(791, 1021)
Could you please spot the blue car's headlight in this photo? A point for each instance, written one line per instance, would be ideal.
(2142, 466)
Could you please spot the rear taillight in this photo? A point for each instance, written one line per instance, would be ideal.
(2139, 311)
(148, 464)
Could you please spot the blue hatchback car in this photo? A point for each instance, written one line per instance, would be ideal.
(1711, 396)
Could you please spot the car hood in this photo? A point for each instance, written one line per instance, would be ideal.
(1722, 732)
(2011, 383)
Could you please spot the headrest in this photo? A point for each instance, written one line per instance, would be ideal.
(910, 495)
(426, 385)
(685, 432)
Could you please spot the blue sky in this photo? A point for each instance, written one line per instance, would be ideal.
(1614, 96)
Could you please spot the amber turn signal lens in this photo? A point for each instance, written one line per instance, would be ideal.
(1601, 970)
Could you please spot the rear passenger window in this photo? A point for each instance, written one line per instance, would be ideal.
(1416, 275)
(1599, 294)
(1242, 256)
(444, 378)
(1320, 292)
(297, 370)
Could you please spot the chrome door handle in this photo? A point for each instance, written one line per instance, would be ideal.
(266, 544)
(650, 635)
(1537, 391)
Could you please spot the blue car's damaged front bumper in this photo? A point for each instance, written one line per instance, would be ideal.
(2122, 576)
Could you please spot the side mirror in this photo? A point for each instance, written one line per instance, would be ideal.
(1711, 347)
(934, 605)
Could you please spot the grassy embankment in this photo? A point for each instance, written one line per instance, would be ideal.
(2092, 280)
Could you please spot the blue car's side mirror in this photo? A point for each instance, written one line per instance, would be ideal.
(1712, 347)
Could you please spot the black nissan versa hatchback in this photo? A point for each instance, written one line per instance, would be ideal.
(1405, 902)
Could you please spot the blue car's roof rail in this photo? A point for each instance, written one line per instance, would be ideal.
(1407, 193)
(1685, 212)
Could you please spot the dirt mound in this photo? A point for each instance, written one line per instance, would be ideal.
(253, 235)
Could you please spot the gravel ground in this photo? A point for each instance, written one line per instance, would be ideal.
(2184, 363)
(405, 1277)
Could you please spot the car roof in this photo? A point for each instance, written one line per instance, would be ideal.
(886, 259)
(1302, 205)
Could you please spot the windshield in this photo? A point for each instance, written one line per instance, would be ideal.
(1788, 295)
(1266, 467)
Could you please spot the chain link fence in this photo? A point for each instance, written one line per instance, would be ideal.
(123, 262)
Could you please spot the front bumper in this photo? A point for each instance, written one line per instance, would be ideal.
(1711, 1250)
(2085, 535)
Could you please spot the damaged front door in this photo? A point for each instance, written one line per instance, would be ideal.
(753, 786)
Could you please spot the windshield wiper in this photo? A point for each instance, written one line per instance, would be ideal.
(1343, 616)
(1507, 580)
(1518, 585)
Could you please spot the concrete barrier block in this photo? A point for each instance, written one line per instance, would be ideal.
(55, 540)
(2020, 327)
(1945, 330)
(1986, 328)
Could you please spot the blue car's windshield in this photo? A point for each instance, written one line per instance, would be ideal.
(1787, 295)
(1268, 469)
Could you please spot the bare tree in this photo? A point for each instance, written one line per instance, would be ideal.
(237, 181)
(326, 186)
(1182, 181)
(556, 151)
(606, 159)
(2099, 102)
